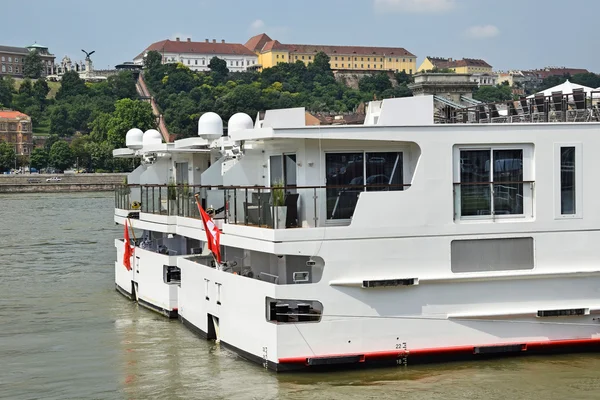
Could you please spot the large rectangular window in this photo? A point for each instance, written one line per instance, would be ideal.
(348, 174)
(567, 181)
(491, 182)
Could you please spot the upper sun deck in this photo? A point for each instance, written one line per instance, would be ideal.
(578, 105)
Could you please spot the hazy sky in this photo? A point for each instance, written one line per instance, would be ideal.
(509, 34)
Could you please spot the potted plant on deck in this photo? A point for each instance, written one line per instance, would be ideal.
(172, 197)
(279, 208)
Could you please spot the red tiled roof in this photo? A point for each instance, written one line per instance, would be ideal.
(348, 50)
(12, 114)
(256, 43)
(472, 62)
(273, 45)
(546, 72)
(183, 47)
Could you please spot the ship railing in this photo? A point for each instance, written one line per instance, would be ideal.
(283, 207)
(577, 106)
(277, 207)
(179, 200)
(128, 197)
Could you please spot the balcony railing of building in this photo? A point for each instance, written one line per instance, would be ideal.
(259, 206)
(578, 106)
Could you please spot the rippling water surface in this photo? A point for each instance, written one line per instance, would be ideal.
(65, 333)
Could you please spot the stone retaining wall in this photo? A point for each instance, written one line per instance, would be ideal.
(68, 183)
(56, 187)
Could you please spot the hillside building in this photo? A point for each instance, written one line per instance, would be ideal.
(355, 58)
(12, 60)
(15, 129)
(197, 55)
(464, 66)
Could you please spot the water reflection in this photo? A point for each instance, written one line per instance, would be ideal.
(65, 333)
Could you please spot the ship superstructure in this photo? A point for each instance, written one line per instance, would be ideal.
(396, 241)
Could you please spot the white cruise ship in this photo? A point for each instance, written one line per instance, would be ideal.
(399, 241)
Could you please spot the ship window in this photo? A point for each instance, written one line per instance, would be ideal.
(491, 183)
(348, 174)
(283, 170)
(171, 275)
(481, 255)
(568, 181)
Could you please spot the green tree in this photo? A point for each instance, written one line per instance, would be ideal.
(39, 158)
(128, 114)
(59, 121)
(6, 92)
(218, 69)
(587, 79)
(80, 150)
(50, 141)
(493, 94)
(61, 156)
(41, 90)
(101, 157)
(321, 63)
(7, 156)
(403, 77)
(375, 84)
(71, 85)
(153, 60)
(26, 87)
(34, 66)
(99, 127)
(122, 85)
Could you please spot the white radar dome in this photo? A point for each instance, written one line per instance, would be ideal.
(133, 139)
(239, 122)
(210, 126)
(152, 136)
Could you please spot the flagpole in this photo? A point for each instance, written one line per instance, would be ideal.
(131, 229)
(197, 197)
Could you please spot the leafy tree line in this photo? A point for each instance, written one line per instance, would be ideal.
(503, 92)
(586, 79)
(184, 95)
(93, 117)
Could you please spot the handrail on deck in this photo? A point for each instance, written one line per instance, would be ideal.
(256, 205)
(578, 106)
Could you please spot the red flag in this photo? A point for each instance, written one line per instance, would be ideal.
(213, 236)
(128, 250)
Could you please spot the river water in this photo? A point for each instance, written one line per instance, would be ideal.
(65, 333)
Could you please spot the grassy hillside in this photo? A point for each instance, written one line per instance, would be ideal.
(54, 86)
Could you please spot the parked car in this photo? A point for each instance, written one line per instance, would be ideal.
(53, 179)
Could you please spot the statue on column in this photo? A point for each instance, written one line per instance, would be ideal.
(88, 61)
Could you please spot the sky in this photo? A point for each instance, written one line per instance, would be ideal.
(508, 34)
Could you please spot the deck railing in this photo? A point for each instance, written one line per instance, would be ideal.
(261, 206)
(578, 106)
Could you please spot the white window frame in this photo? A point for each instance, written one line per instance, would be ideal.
(578, 181)
(528, 189)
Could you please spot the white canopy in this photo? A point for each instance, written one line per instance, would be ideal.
(567, 88)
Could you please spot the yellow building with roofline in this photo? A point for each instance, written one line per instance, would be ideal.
(359, 58)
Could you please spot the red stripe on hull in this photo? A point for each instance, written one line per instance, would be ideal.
(442, 351)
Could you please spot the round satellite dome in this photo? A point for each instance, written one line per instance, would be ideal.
(133, 139)
(152, 136)
(210, 126)
(239, 122)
